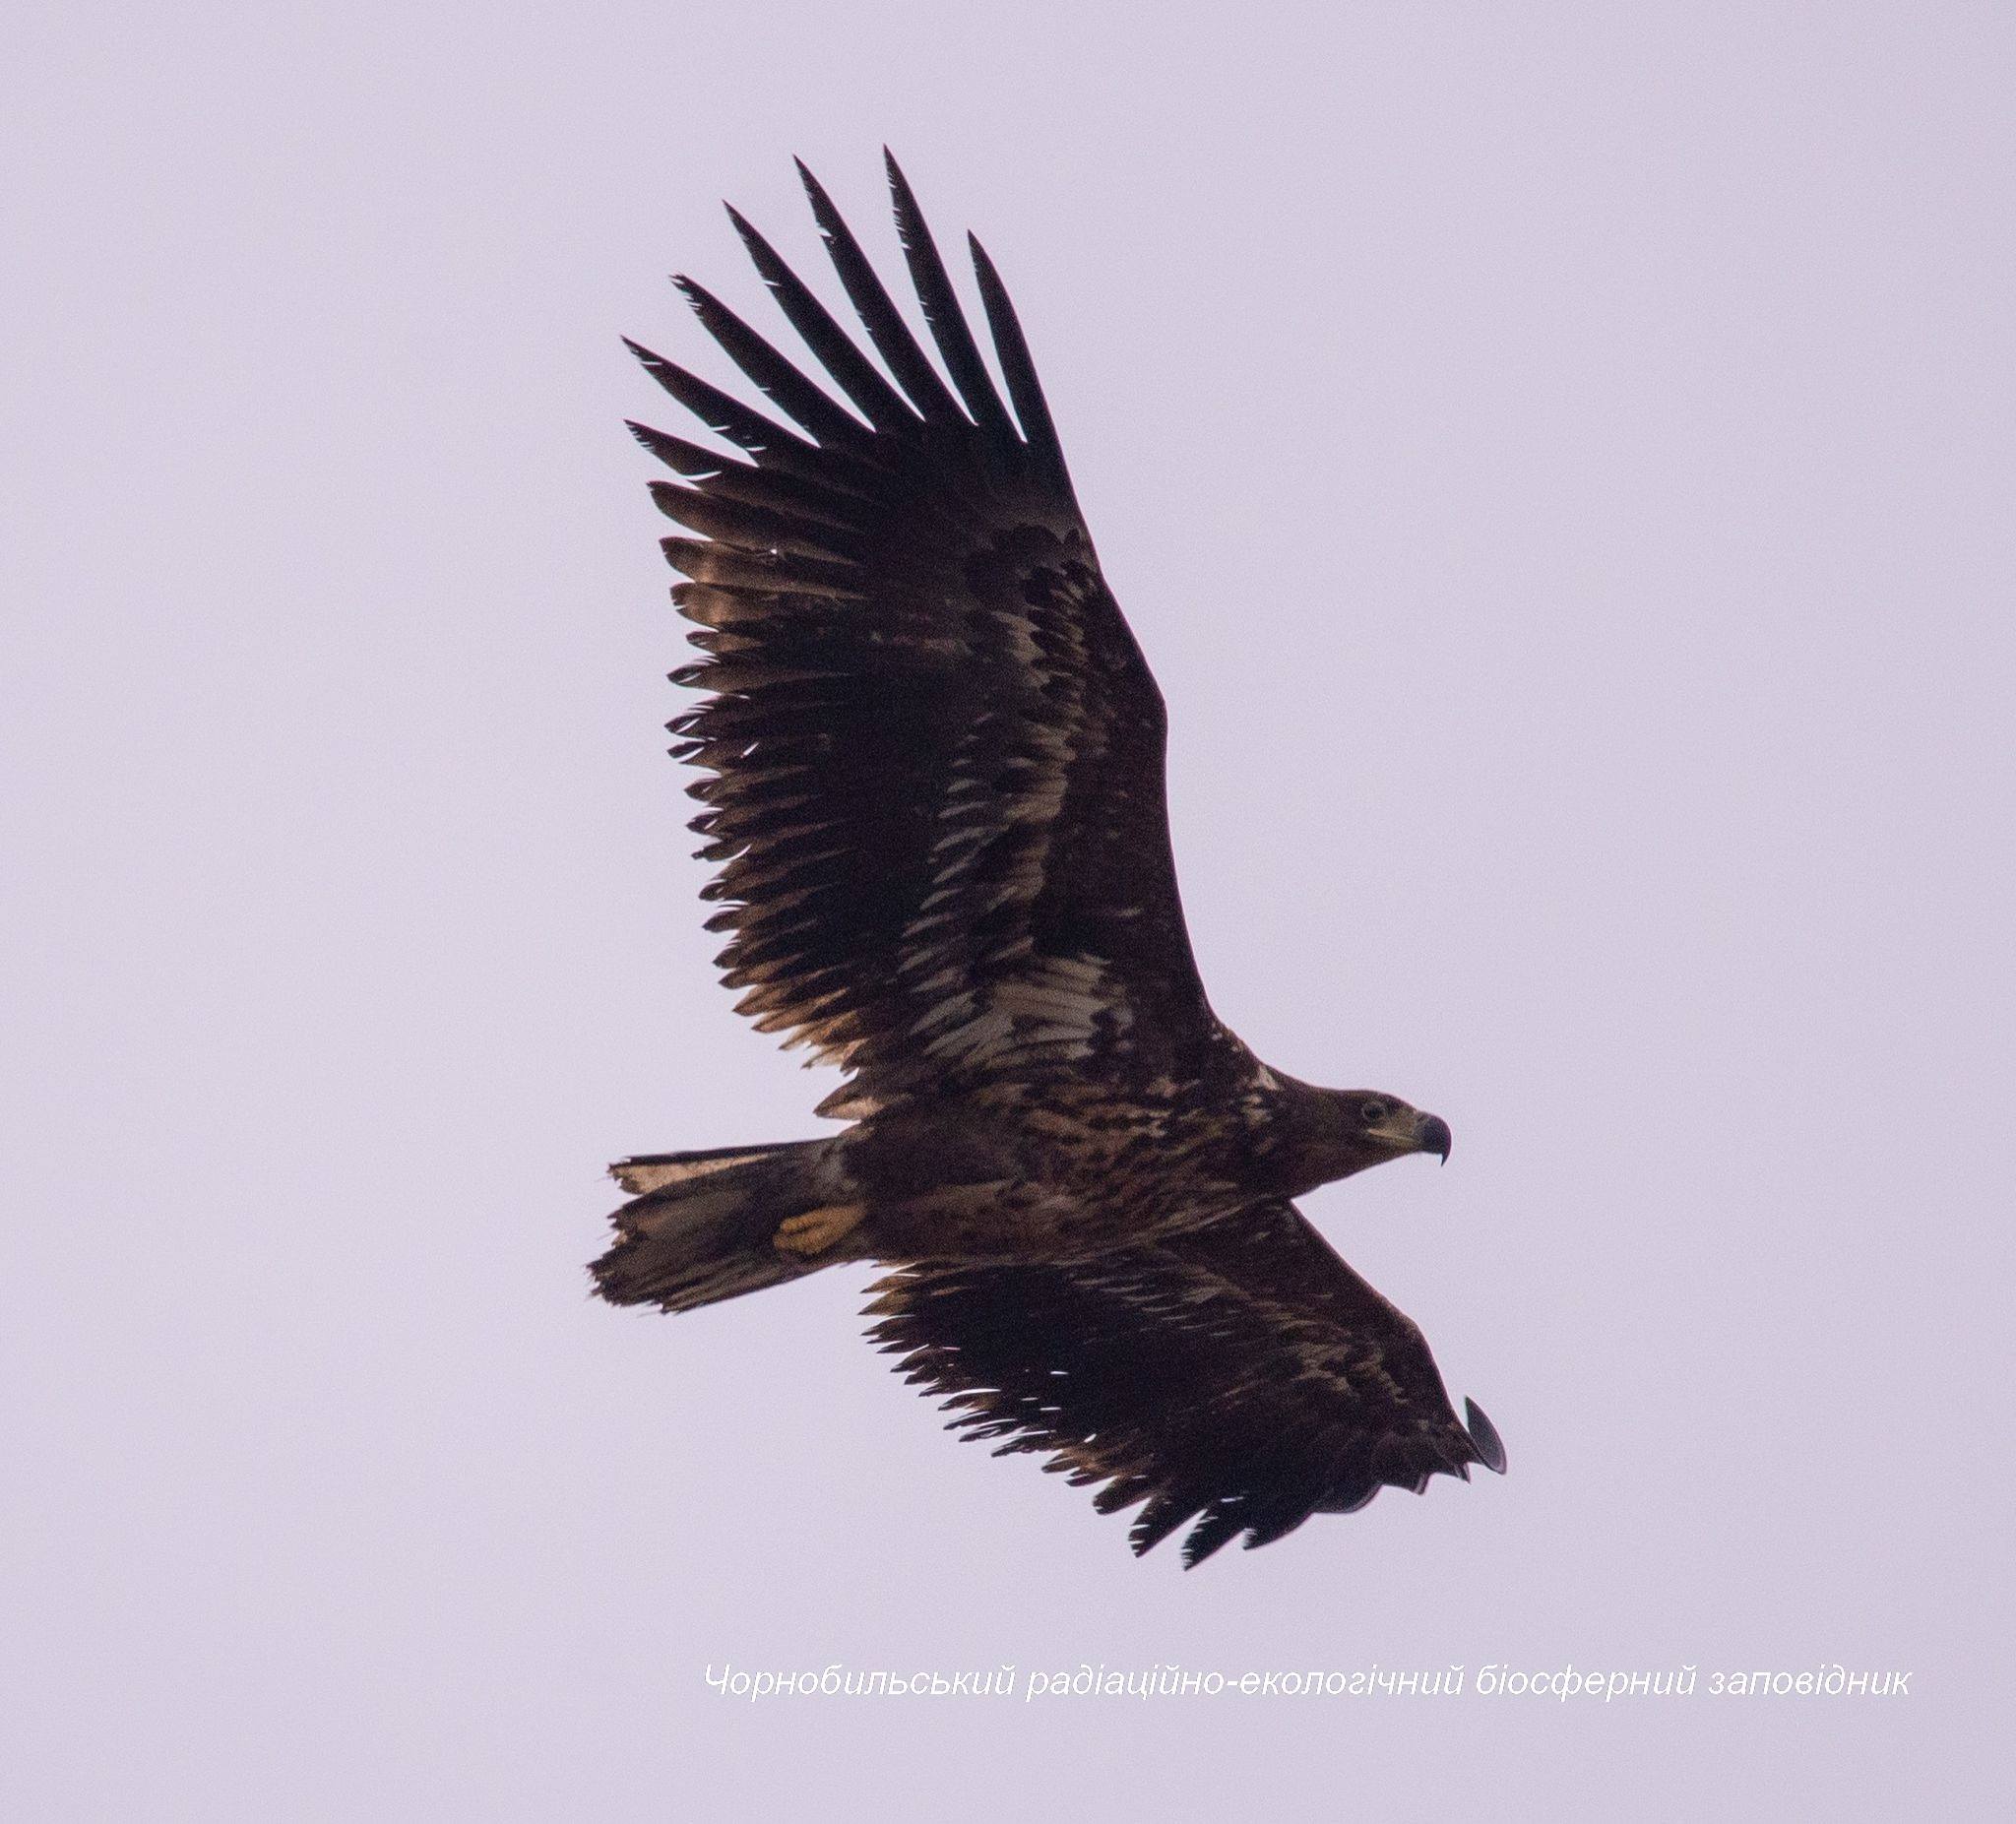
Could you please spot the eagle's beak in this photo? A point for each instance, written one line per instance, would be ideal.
(1408, 1130)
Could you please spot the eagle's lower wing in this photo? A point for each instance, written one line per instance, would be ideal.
(937, 794)
(1242, 1375)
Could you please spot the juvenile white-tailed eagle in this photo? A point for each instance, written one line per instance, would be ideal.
(934, 791)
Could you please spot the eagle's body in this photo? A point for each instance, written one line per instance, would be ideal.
(1069, 1170)
(937, 796)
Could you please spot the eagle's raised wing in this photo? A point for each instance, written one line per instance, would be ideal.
(1240, 1374)
(937, 750)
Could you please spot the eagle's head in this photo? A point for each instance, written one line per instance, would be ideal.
(1347, 1131)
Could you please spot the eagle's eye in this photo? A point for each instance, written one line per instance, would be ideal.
(1372, 1110)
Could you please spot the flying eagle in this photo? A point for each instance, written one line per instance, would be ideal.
(935, 797)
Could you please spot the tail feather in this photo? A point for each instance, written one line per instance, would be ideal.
(701, 1227)
(655, 1171)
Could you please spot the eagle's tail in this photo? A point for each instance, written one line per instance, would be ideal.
(703, 1226)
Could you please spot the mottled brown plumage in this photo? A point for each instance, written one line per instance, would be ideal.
(934, 791)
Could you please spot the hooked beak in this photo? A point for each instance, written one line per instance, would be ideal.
(1410, 1131)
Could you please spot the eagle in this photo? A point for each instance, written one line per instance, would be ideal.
(932, 759)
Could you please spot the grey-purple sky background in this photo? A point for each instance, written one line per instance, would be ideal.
(1557, 459)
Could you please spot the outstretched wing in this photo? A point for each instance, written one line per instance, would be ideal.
(936, 751)
(1241, 1375)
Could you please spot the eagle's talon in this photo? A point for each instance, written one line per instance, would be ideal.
(816, 1231)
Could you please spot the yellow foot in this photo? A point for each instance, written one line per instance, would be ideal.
(817, 1229)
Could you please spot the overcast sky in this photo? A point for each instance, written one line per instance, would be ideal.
(1557, 459)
